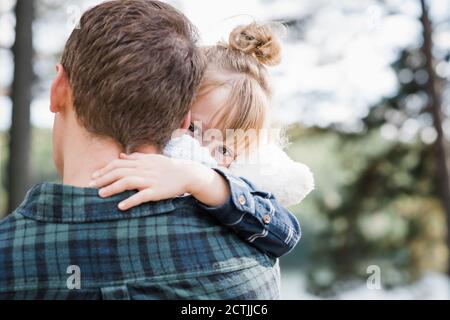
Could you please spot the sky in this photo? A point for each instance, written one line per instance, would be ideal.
(339, 69)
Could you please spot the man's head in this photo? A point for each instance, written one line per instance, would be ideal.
(129, 74)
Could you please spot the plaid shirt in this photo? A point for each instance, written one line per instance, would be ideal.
(168, 250)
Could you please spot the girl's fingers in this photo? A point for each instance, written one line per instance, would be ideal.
(122, 185)
(112, 176)
(116, 164)
(144, 196)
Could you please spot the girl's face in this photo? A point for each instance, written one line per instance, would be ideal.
(203, 112)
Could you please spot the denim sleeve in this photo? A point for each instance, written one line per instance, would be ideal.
(257, 217)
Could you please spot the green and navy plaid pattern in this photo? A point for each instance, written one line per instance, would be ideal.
(167, 250)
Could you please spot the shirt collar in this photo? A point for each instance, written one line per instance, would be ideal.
(58, 203)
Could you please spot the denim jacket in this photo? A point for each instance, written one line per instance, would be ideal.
(257, 217)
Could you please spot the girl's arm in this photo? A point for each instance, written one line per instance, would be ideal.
(255, 216)
(158, 178)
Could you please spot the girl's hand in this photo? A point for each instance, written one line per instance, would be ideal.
(157, 178)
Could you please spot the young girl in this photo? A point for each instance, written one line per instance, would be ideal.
(229, 137)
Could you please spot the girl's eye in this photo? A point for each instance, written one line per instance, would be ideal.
(192, 128)
(224, 151)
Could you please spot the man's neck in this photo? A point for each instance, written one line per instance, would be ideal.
(85, 154)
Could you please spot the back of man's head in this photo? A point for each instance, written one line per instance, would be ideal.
(134, 68)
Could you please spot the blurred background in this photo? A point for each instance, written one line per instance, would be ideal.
(364, 92)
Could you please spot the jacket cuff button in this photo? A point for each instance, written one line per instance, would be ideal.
(267, 219)
(242, 200)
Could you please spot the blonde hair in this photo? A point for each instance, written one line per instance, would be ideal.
(241, 66)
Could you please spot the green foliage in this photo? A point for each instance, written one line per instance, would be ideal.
(376, 201)
(41, 162)
(375, 204)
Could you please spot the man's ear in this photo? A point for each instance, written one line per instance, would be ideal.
(60, 93)
(186, 121)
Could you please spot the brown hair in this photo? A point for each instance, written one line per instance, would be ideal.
(134, 69)
(240, 66)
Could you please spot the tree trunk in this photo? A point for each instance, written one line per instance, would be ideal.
(20, 133)
(434, 93)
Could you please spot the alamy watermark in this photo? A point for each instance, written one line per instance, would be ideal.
(374, 280)
(74, 280)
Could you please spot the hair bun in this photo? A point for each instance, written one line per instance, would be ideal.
(258, 40)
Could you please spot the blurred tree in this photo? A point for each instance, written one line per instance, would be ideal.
(19, 145)
(434, 93)
(392, 206)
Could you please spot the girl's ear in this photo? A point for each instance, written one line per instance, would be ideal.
(60, 90)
